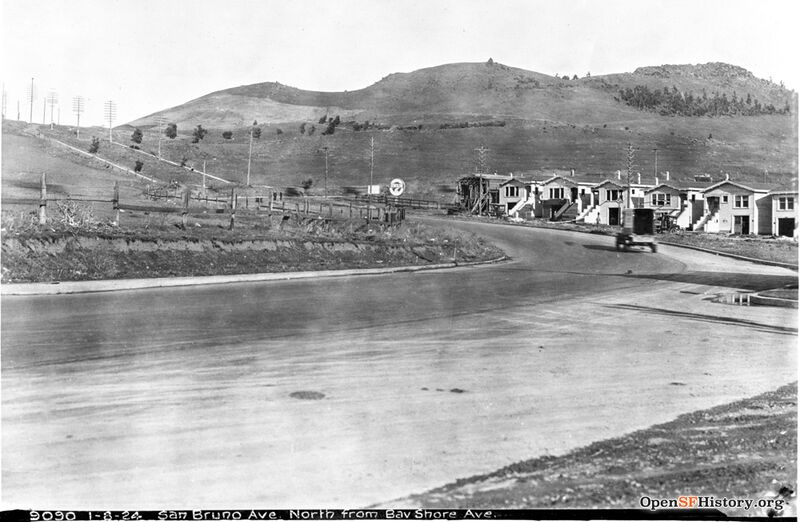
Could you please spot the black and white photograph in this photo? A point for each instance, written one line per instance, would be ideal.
(383, 259)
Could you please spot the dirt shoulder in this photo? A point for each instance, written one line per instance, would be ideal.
(745, 449)
(42, 254)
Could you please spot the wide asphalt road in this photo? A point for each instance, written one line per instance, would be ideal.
(343, 392)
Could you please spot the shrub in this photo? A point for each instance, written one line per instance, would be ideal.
(303, 128)
(138, 166)
(323, 119)
(95, 145)
(171, 131)
(278, 131)
(198, 134)
(256, 132)
(136, 137)
(306, 184)
(227, 135)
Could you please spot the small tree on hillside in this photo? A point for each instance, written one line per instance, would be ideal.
(136, 137)
(302, 128)
(257, 132)
(227, 135)
(278, 131)
(198, 134)
(95, 145)
(171, 131)
(306, 184)
(138, 166)
(330, 130)
(323, 119)
(336, 120)
(311, 130)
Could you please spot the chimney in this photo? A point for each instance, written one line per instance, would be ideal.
(572, 172)
(619, 174)
(638, 178)
(667, 173)
(656, 182)
(727, 177)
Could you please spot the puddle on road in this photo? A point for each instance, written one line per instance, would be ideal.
(307, 395)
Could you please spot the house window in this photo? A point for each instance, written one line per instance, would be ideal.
(612, 195)
(512, 192)
(557, 193)
(741, 201)
(659, 199)
(724, 199)
(785, 203)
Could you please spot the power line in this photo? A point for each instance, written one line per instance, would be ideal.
(110, 111)
(77, 108)
(52, 99)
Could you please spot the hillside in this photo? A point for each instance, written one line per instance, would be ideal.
(425, 127)
(471, 90)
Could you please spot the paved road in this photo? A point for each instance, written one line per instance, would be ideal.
(184, 397)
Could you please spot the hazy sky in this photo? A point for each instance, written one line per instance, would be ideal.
(149, 55)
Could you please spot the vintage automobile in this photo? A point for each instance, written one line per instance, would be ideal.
(638, 229)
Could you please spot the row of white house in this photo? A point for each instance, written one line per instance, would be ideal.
(726, 206)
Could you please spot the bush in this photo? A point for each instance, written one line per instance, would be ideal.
(198, 134)
(278, 132)
(136, 137)
(306, 184)
(257, 132)
(171, 131)
(138, 166)
(311, 130)
(302, 128)
(323, 119)
(227, 135)
(95, 146)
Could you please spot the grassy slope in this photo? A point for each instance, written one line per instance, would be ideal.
(552, 124)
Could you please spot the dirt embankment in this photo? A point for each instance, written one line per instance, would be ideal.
(746, 449)
(86, 256)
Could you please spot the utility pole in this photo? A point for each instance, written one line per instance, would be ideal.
(52, 99)
(326, 170)
(481, 168)
(161, 134)
(77, 108)
(44, 110)
(110, 113)
(250, 154)
(371, 165)
(32, 96)
(655, 168)
(630, 172)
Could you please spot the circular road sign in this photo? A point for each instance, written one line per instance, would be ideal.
(396, 187)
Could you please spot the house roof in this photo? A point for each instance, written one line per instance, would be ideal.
(616, 183)
(660, 185)
(786, 188)
(752, 187)
(520, 182)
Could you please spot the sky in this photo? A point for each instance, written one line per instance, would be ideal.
(149, 55)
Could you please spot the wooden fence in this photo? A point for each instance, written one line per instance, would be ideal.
(273, 202)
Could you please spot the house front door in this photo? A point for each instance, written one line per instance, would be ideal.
(613, 216)
(741, 225)
(786, 227)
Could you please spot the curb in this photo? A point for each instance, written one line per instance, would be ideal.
(734, 256)
(679, 245)
(113, 285)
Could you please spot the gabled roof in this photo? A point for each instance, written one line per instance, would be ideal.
(520, 182)
(610, 181)
(660, 185)
(752, 187)
(786, 188)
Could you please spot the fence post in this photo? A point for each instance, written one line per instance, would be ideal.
(351, 210)
(115, 202)
(185, 209)
(233, 208)
(43, 202)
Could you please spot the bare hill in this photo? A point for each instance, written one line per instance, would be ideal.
(477, 90)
